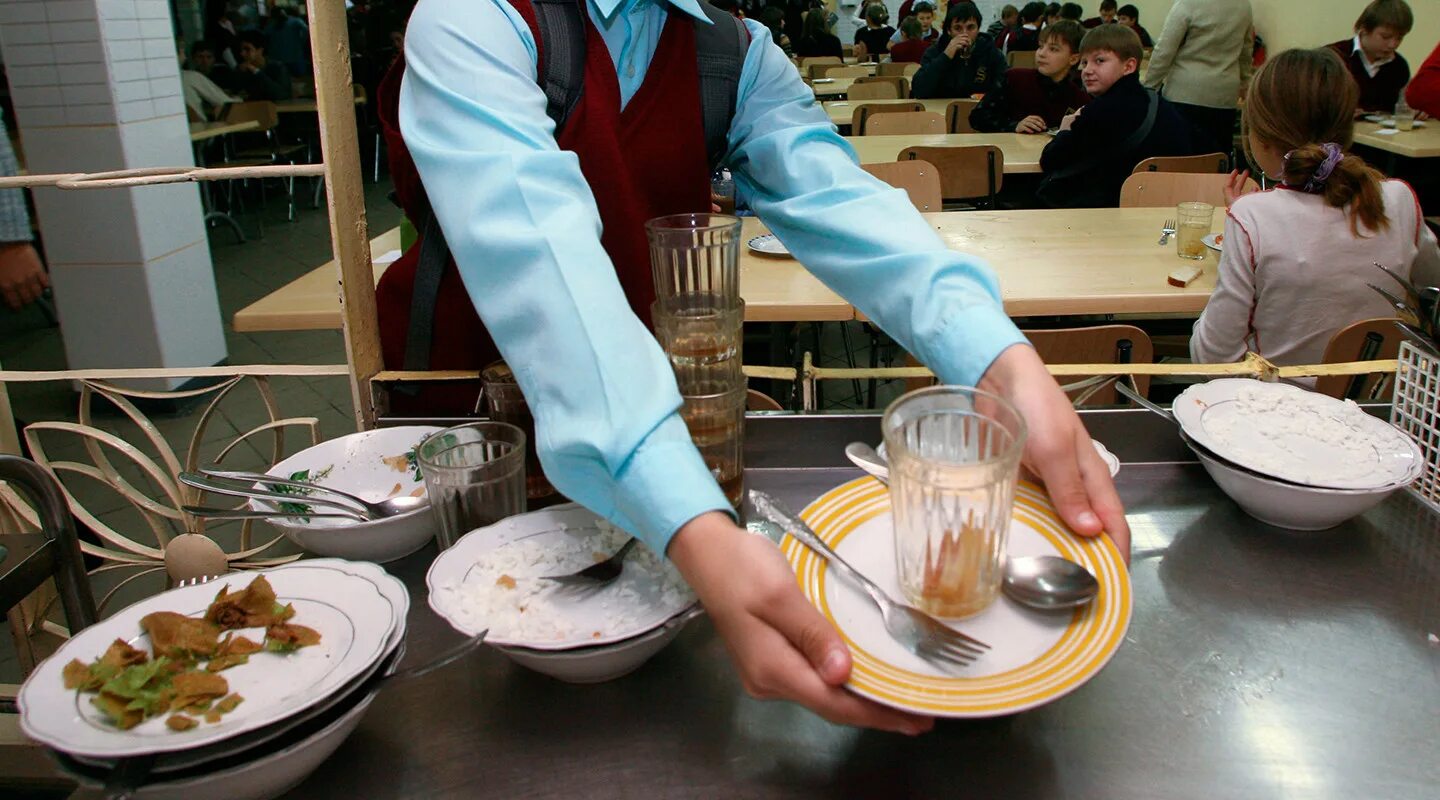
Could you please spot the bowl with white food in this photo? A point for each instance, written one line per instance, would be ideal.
(493, 579)
(1284, 504)
(374, 465)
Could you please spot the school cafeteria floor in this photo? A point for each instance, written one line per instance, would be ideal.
(244, 273)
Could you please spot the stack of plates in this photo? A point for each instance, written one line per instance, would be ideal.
(1291, 457)
(298, 707)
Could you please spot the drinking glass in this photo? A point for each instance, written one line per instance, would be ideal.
(695, 253)
(474, 475)
(701, 334)
(1194, 221)
(715, 415)
(1404, 116)
(507, 403)
(954, 456)
(722, 191)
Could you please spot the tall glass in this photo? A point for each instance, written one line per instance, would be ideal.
(474, 475)
(507, 404)
(695, 253)
(702, 335)
(715, 415)
(1194, 225)
(954, 457)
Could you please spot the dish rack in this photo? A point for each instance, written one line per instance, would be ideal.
(1416, 410)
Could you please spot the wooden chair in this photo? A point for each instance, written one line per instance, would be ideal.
(902, 85)
(807, 65)
(270, 151)
(865, 110)
(872, 91)
(1160, 189)
(756, 400)
(839, 71)
(909, 122)
(919, 179)
(965, 172)
(1366, 340)
(1210, 163)
(1102, 344)
(893, 69)
(1022, 59)
(957, 116)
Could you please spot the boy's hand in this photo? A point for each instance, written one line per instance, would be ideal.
(782, 647)
(957, 43)
(1031, 124)
(1069, 120)
(1235, 187)
(22, 276)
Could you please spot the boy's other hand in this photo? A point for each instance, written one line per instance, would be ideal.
(1031, 124)
(1069, 120)
(1235, 187)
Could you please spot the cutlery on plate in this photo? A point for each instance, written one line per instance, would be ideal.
(241, 513)
(199, 481)
(388, 507)
(912, 628)
(1166, 231)
(597, 574)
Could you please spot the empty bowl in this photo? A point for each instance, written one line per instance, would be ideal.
(604, 662)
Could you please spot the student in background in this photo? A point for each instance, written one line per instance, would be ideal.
(1107, 15)
(257, 77)
(873, 40)
(911, 48)
(1072, 11)
(1052, 13)
(1423, 93)
(773, 18)
(1129, 16)
(964, 61)
(1379, 71)
(1009, 21)
(203, 61)
(1026, 38)
(1099, 145)
(1296, 259)
(1036, 100)
(1201, 62)
(203, 99)
(924, 13)
(817, 40)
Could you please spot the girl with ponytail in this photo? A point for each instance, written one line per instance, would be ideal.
(1295, 260)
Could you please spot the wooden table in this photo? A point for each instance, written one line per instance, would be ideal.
(831, 87)
(1078, 261)
(1022, 151)
(205, 131)
(842, 111)
(1422, 142)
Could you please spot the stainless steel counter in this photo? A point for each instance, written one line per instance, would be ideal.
(1260, 663)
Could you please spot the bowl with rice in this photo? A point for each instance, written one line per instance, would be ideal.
(492, 579)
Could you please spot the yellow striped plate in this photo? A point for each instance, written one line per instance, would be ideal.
(1035, 657)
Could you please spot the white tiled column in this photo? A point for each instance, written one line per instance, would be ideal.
(96, 87)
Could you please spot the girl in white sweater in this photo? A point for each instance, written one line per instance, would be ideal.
(1296, 259)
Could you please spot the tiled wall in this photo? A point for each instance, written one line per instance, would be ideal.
(96, 86)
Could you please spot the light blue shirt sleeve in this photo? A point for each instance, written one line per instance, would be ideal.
(525, 232)
(861, 237)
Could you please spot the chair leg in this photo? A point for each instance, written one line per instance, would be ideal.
(850, 359)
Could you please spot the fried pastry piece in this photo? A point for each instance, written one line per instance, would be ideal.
(233, 651)
(251, 607)
(118, 710)
(193, 688)
(180, 722)
(283, 637)
(180, 637)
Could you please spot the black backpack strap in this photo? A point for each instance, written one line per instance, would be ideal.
(562, 50)
(434, 253)
(720, 48)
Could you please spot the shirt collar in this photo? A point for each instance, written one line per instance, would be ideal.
(1371, 67)
(607, 8)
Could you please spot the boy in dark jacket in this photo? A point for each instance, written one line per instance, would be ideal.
(964, 61)
(1099, 145)
(1036, 100)
(1025, 37)
(1371, 56)
(1129, 16)
(1107, 15)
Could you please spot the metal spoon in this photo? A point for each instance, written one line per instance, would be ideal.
(1043, 582)
(388, 507)
(243, 488)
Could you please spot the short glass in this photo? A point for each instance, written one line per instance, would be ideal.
(722, 191)
(1193, 225)
(474, 475)
(506, 403)
(1404, 116)
(954, 455)
(695, 253)
(701, 335)
(715, 415)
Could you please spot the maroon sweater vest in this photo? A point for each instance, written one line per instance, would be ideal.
(646, 161)
(1382, 92)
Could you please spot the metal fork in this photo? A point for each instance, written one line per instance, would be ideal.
(1166, 231)
(915, 630)
(596, 574)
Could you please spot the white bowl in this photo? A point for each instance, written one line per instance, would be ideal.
(604, 662)
(357, 464)
(1289, 505)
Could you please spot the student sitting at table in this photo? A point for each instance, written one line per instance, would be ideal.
(1107, 15)
(817, 39)
(911, 49)
(1372, 57)
(1071, 11)
(1423, 93)
(873, 40)
(1052, 14)
(1129, 16)
(257, 77)
(1009, 21)
(1036, 100)
(1026, 37)
(1296, 259)
(924, 13)
(964, 61)
(1099, 145)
